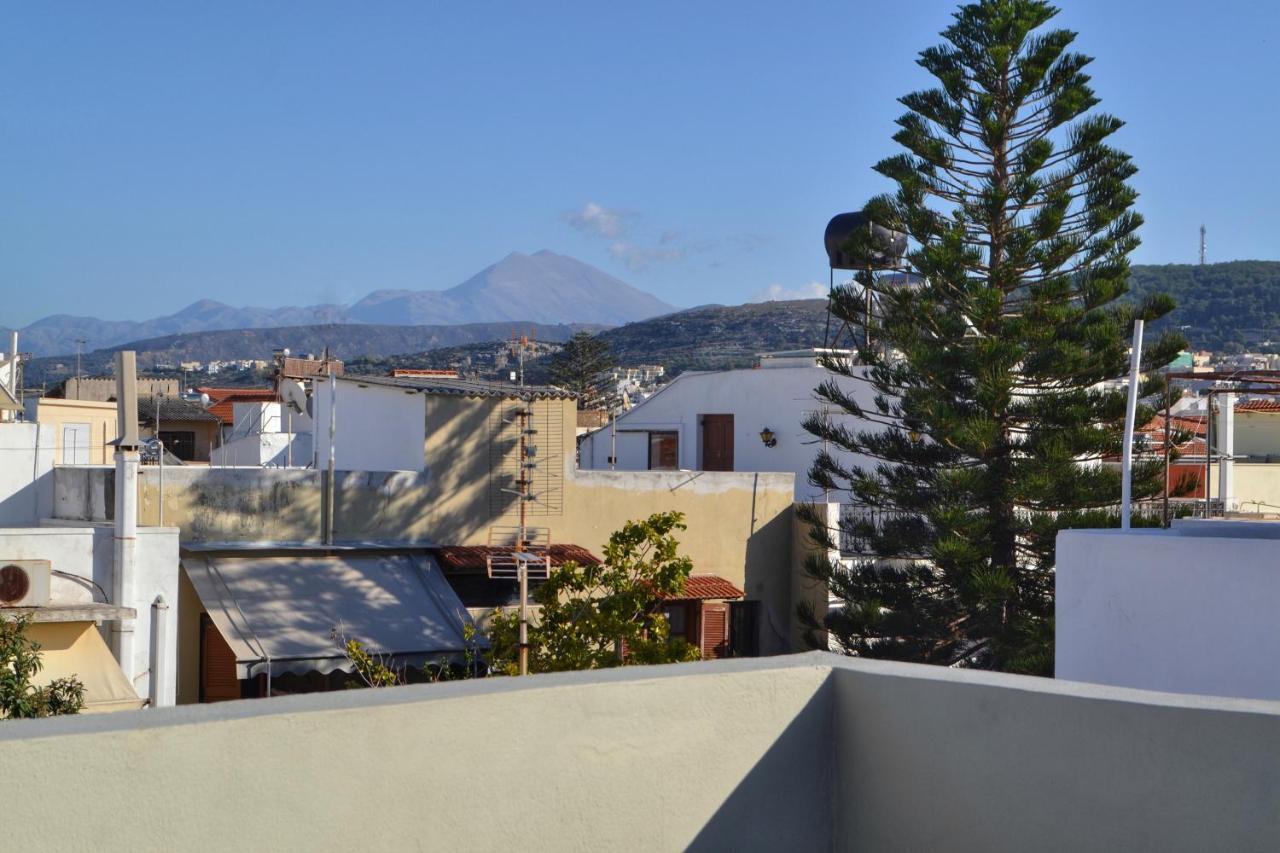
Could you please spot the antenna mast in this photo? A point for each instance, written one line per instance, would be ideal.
(1201, 245)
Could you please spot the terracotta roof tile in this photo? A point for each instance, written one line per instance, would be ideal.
(1258, 406)
(707, 586)
(222, 400)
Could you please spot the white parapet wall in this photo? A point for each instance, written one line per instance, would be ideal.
(1193, 609)
(811, 752)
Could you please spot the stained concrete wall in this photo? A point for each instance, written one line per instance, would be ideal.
(814, 752)
(1190, 610)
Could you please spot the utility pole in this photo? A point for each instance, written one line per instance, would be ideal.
(80, 342)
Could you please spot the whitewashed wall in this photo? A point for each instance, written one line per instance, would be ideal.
(27, 454)
(778, 398)
(1190, 610)
(378, 429)
(87, 552)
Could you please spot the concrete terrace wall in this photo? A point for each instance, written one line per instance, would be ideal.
(814, 752)
(1191, 609)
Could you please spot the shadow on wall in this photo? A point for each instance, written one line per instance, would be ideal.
(455, 502)
(793, 784)
(768, 580)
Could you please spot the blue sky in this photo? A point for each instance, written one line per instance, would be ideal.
(292, 153)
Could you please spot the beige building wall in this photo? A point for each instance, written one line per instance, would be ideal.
(99, 417)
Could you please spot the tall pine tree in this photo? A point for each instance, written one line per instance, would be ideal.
(990, 424)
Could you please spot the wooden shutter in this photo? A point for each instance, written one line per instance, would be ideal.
(218, 681)
(717, 442)
(715, 631)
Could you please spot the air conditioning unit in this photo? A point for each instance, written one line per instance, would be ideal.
(24, 583)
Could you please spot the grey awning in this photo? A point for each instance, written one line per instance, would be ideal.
(278, 613)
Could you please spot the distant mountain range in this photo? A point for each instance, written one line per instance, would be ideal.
(344, 340)
(713, 337)
(542, 288)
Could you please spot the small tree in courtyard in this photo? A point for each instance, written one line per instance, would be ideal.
(989, 426)
(19, 663)
(591, 613)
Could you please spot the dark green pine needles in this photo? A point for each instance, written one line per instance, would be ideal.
(989, 428)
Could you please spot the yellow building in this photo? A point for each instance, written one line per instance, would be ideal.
(82, 429)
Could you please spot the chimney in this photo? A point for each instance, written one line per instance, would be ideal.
(126, 507)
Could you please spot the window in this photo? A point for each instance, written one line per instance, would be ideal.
(677, 617)
(664, 451)
(181, 443)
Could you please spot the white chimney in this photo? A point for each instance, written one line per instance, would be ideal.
(126, 507)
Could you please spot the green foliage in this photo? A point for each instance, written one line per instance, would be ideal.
(987, 372)
(590, 613)
(579, 363)
(1228, 307)
(19, 663)
(376, 670)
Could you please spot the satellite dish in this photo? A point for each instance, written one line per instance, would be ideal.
(293, 395)
(204, 400)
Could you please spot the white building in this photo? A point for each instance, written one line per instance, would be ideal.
(268, 435)
(729, 420)
(108, 620)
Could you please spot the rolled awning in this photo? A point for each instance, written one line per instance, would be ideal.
(77, 649)
(278, 613)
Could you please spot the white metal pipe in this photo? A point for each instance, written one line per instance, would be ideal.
(158, 686)
(126, 542)
(1227, 452)
(1131, 414)
(329, 476)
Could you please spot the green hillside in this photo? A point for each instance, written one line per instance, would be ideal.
(1231, 306)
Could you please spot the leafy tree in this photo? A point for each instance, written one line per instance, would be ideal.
(19, 663)
(591, 613)
(579, 363)
(989, 423)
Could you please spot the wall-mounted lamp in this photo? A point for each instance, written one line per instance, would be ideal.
(769, 439)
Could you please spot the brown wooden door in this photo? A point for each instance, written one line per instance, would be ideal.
(218, 681)
(715, 631)
(717, 442)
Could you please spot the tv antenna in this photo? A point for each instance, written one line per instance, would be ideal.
(524, 552)
(1202, 245)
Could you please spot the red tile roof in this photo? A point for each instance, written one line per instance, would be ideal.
(471, 558)
(222, 400)
(707, 586)
(1258, 406)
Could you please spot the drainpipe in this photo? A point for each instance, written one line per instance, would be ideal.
(1226, 453)
(329, 475)
(157, 691)
(126, 507)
